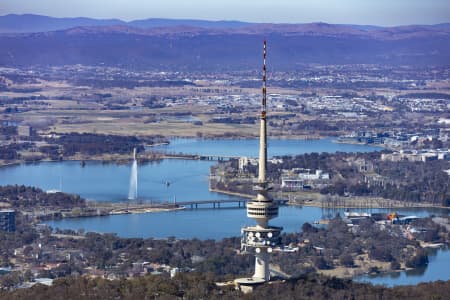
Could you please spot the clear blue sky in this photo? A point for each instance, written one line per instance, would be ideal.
(373, 12)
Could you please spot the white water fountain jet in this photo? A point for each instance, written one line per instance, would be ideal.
(132, 192)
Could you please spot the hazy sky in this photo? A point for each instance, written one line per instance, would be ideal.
(373, 12)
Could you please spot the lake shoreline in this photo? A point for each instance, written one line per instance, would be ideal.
(148, 156)
(361, 202)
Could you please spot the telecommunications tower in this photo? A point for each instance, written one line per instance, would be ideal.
(261, 238)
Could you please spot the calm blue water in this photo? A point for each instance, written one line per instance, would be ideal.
(109, 182)
(188, 179)
(249, 147)
(437, 269)
(205, 223)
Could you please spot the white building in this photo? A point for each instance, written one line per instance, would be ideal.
(299, 178)
(244, 162)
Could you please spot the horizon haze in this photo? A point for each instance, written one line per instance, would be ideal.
(380, 13)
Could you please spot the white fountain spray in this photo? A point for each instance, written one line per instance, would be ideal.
(132, 192)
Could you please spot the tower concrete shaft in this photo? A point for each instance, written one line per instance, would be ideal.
(262, 271)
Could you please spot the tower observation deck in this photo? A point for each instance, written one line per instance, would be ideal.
(261, 238)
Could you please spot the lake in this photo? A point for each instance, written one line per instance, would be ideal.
(189, 181)
(110, 182)
(437, 269)
(249, 147)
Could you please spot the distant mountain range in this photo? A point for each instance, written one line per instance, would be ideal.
(28, 23)
(35, 23)
(213, 45)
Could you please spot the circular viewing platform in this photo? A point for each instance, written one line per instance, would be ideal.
(258, 210)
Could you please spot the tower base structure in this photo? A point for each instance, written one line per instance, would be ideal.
(262, 272)
(249, 281)
(259, 241)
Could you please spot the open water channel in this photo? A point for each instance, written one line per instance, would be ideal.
(189, 181)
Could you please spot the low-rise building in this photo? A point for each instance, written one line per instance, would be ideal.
(304, 178)
(416, 155)
(377, 180)
(244, 162)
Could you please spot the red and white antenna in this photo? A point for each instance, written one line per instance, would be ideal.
(263, 130)
(264, 90)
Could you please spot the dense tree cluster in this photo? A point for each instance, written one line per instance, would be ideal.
(406, 181)
(71, 144)
(92, 144)
(51, 151)
(336, 245)
(103, 250)
(316, 287)
(416, 181)
(20, 196)
(10, 152)
(202, 286)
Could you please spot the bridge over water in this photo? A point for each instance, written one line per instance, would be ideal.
(201, 156)
(217, 203)
(213, 203)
